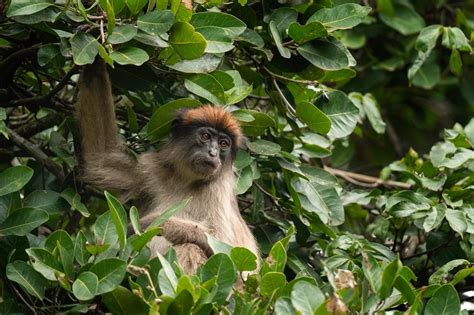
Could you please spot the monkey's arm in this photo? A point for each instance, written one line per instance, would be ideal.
(181, 231)
(104, 162)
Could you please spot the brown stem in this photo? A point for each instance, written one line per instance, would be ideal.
(365, 180)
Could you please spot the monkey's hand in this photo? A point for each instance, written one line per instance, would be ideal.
(181, 231)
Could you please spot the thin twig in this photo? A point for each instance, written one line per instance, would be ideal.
(38, 154)
(283, 98)
(102, 34)
(40, 99)
(31, 307)
(365, 180)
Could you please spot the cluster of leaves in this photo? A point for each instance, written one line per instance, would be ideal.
(287, 71)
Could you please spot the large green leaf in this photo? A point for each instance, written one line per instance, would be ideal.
(404, 18)
(120, 218)
(14, 178)
(187, 43)
(85, 286)
(325, 54)
(305, 33)
(306, 297)
(122, 34)
(133, 303)
(130, 56)
(343, 16)
(160, 121)
(313, 117)
(454, 38)
(222, 267)
(156, 22)
(30, 280)
(84, 48)
(27, 7)
(445, 301)
(342, 112)
(110, 273)
(135, 6)
(271, 282)
(226, 23)
(23, 221)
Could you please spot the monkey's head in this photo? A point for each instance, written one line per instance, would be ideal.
(207, 139)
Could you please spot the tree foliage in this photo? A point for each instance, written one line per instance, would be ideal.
(357, 176)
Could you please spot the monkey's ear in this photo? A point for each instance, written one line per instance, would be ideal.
(177, 123)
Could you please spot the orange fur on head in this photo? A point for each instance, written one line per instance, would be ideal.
(216, 117)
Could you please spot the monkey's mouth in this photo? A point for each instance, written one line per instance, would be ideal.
(205, 165)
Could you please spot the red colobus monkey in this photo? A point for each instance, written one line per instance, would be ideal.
(196, 162)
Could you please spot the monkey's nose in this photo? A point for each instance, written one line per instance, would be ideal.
(213, 152)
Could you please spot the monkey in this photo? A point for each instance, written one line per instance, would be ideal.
(196, 161)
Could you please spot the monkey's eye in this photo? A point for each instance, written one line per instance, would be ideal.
(224, 144)
(205, 136)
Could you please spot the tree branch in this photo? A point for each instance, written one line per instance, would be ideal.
(38, 154)
(365, 180)
(34, 101)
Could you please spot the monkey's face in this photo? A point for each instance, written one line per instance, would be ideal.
(209, 151)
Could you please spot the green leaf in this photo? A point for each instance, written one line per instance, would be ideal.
(428, 76)
(343, 16)
(205, 64)
(119, 216)
(306, 297)
(168, 213)
(454, 38)
(445, 301)
(156, 22)
(85, 286)
(455, 62)
(135, 220)
(222, 267)
(29, 279)
(218, 41)
(440, 275)
(373, 273)
(46, 259)
(110, 273)
(313, 117)
(48, 54)
(325, 54)
(122, 34)
(104, 229)
(244, 180)
(305, 33)
(264, 147)
(23, 221)
(135, 6)
(271, 282)
(84, 48)
(405, 19)
(74, 199)
(217, 245)
(187, 43)
(228, 24)
(14, 178)
(321, 200)
(140, 242)
(243, 259)
(206, 86)
(284, 52)
(160, 121)
(182, 304)
(166, 277)
(46, 200)
(390, 273)
(257, 127)
(342, 112)
(80, 252)
(457, 220)
(373, 114)
(133, 303)
(283, 306)
(130, 56)
(27, 7)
